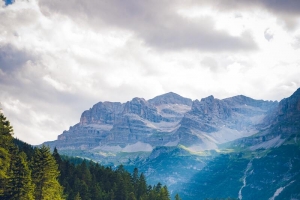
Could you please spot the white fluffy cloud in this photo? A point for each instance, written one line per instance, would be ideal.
(58, 58)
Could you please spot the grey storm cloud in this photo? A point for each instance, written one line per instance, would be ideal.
(290, 7)
(155, 22)
(211, 63)
(12, 58)
(286, 10)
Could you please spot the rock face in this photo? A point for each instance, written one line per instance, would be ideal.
(170, 98)
(282, 124)
(288, 110)
(212, 121)
(166, 120)
(101, 113)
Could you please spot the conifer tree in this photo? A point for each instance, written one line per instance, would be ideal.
(164, 193)
(6, 145)
(135, 180)
(45, 174)
(142, 186)
(131, 196)
(96, 192)
(177, 197)
(20, 186)
(57, 156)
(112, 195)
(77, 197)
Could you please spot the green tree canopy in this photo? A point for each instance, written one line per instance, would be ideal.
(45, 175)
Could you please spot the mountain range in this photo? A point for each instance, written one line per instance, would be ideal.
(240, 147)
(166, 120)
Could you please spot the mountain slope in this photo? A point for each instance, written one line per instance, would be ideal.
(259, 174)
(236, 147)
(212, 121)
(265, 165)
(280, 126)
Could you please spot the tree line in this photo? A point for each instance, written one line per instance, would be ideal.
(35, 173)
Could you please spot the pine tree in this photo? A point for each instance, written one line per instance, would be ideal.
(96, 192)
(135, 180)
(112, 195)
(77, 197)
(157, 188)
(20, 186)
(131, 196)
(121, 193)
(142, 186)
(45, 174)
(56, 156)
(6, 146)
(164, 193)
(177, 197)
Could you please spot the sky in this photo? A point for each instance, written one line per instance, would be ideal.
(59, 58)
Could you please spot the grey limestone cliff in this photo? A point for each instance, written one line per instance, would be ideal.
(166, 120)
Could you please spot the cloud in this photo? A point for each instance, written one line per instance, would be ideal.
(157, 23)
(58, 58)
(268, 34)
(12, 59)
(211, 63)
(288, 11)
(296, 42)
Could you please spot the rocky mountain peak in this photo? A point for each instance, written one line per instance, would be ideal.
(142, 108)
(211, 107)
(208, 99)
(288, 108)
(101, 113)
(241, 100)
(170, 98)
(139, 100)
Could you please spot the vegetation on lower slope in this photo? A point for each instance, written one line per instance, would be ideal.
(26, 173)
(90, 180)
(260, 174)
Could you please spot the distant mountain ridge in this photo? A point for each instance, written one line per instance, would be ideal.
(165, 120)
(265, 165)
(236, 147)
(282, 124)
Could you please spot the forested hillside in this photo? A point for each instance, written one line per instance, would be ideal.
(28, 173)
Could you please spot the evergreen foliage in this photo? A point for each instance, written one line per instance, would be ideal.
(177, 197)
(91, 181)
(21, 179)
(44, 175)
(20, 186)
(28, 173)
(6, 146)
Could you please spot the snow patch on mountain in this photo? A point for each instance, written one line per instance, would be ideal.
(279, 190)
(177, 108)
(139, 146)
(205, 145)
(136, 147)
(275, 142)
(226, 134)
